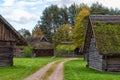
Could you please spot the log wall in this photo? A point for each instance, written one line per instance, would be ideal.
(113, 64)
(44, 52)
(6, 53)
(94, 58)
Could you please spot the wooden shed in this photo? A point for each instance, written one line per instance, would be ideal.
(41, 46)
(102, 44)
(9, 37)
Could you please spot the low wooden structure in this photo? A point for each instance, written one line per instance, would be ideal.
(41, 46)
(19, 51)
(100, 57)
(68, 49)
(9, 37)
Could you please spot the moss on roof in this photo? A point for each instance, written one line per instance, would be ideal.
(107, 38)
(66, 47)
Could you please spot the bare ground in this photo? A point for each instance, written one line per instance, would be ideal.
(57, 74)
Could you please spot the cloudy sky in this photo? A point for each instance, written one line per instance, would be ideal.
(26, 13)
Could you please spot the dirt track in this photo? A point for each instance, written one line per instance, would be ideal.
(57, 73)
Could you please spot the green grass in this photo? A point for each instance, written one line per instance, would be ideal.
(77, 70)
(23, 67)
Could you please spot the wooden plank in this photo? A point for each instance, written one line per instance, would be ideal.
(6, 62)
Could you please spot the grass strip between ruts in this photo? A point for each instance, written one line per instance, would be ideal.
(51, 70)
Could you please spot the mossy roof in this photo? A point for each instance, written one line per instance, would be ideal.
(106, 29)
(107, 38)
(39, 42)
(70, 47)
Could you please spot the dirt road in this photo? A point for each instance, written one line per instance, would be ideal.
(52, 71)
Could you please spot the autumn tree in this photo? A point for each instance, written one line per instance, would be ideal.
(63, 33)
(37, 32)
(79, 28)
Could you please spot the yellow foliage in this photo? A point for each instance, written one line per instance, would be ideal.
(79, 28)
(37, 32)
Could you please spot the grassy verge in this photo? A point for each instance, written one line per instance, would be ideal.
(23, 67)
(77, 70)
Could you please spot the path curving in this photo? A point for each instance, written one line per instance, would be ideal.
(57, 73)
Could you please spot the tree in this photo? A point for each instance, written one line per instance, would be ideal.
(54, 16)
(63, 33)
(24, 32)
(63, 16)
(79, 28)
(49, 21)
(37, 31)
(72, 13)
(97, 8)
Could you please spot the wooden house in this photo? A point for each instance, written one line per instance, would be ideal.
(102, 44)
(9, 37)
(41, 46)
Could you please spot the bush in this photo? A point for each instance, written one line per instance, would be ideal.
(28, 51)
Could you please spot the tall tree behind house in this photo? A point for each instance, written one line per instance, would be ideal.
(54, 16)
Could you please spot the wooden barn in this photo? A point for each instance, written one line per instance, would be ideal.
(102, 43)
(9, 38)
(41, 46)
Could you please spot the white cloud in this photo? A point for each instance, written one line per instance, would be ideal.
(8, 2)
(21, 16)
(28, 3)
(26, 12)
(111, 3)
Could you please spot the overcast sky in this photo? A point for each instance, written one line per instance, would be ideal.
(26, 13)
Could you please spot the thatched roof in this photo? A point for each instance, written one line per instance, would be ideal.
(66, 45)
(106, 30)
(39, 42)
(20, 40)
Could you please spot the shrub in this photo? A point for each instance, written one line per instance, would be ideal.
(28, 51)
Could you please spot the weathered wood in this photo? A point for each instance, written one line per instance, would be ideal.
(5, 34)
(6, 53)
(44, 52)
(8, 39)
(95, 59)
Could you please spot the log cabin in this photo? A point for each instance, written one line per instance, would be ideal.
(102, 43)
(41, 46)
(9, 38)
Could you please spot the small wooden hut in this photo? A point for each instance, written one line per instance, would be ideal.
(41, 46)
(9, 37)
(102, 47)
